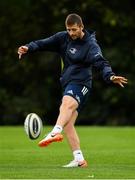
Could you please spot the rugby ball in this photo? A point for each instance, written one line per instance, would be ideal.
(33, 126)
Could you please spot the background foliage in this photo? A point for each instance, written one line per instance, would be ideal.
(32, 84)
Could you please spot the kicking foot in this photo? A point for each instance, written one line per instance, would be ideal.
(51, 137)
(75, 163)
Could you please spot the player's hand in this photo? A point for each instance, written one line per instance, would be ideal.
(22, 50)
(119, 80)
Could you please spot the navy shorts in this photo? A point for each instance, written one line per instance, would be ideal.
(79, 92)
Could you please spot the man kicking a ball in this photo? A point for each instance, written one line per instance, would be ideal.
(79, 51)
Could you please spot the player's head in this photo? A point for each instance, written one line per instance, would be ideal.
(74, 26)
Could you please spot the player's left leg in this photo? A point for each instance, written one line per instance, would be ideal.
(74, 143)
(71, 133)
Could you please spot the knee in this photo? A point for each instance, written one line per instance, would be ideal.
(69, 128)
(66, 106)
(68, 103)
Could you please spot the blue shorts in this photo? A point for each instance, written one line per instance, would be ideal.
(79, 92)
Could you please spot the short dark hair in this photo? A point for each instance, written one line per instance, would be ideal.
(73, 19)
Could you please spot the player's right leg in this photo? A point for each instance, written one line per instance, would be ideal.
(67, 108)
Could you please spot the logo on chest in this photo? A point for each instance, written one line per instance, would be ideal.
(73, 50)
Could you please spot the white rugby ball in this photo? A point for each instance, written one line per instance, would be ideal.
(33, 126)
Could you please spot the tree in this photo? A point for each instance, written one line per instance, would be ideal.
(28, 85)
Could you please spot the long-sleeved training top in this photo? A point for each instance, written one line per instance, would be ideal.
(78, 56)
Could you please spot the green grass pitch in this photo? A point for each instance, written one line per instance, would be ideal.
(110, 152)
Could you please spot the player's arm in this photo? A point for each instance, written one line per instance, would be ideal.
(103, 65)
(107, 72)
(22, 50)
(48, 44)
(119, 80)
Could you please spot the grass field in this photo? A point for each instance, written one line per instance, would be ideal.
(109, 151)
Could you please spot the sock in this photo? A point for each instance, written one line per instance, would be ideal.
(78, 156)
(57, 129)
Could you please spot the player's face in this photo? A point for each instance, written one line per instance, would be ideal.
(75, 31)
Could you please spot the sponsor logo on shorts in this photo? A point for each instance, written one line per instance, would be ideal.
(84, 90)
(70, 92)
(98, 54)
(78, 98)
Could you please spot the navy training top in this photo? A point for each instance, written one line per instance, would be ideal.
(78, 56)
